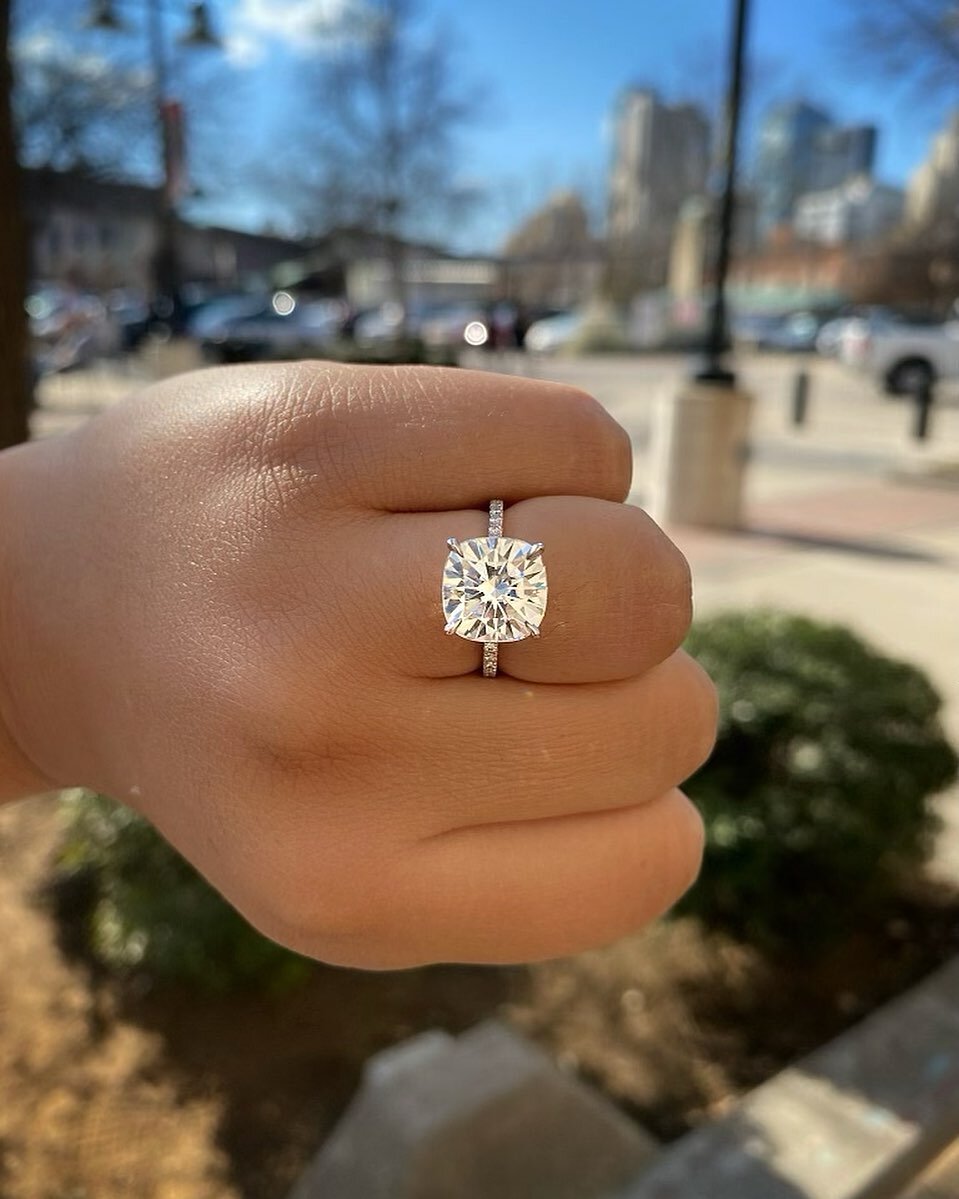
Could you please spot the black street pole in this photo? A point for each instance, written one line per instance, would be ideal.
(165, 263)
(166, 273)
(714, 369)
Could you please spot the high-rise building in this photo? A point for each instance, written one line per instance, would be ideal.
(660, 159)
(801, 150)
(786, 160)
(841, 153)
(859, 209)
(933, 192)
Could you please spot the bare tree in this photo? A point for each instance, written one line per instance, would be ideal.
(85, 98)
(79, 111)
(381, 150)
(908, 41)
(15, 396)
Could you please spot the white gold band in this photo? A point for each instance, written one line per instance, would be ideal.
(490, 648)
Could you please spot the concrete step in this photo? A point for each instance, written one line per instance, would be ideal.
(861, 1118)
(940, 1181)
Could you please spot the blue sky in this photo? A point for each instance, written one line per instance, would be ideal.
(549, 72)
(556, 67)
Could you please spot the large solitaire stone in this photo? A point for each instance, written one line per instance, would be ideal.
(494, 589)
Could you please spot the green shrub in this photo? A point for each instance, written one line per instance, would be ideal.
(148, 910)
(816, 799)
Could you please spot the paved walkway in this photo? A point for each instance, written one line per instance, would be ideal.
(882, 557)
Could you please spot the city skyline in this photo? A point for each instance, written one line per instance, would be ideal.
(547, 88)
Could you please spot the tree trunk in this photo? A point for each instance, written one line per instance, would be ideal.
(15, 387)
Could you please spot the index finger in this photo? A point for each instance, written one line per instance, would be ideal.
(427, 438)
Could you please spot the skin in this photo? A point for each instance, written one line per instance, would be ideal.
(220, 604)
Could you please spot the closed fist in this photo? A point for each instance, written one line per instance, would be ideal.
(222, 607)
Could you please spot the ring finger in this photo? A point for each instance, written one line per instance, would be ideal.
(618, 592)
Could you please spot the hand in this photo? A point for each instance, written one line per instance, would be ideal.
(221, 606)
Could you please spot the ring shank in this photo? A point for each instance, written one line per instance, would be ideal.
(490, 648)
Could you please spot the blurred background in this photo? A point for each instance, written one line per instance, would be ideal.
(737, 226)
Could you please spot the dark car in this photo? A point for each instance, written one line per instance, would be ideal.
(249, 330)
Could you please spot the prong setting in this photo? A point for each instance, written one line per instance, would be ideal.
(494, 589)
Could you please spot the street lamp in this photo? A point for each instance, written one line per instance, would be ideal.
(103, 16)
(699, 440)
(199, 32)
(714, 369)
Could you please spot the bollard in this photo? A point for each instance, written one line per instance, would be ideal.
(924, 396)
(800, 398)
(699, 438)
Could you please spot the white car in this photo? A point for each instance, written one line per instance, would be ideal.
(854, 343)
(903, 358)
(553, 333)
(829, 338)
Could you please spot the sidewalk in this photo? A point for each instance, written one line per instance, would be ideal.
(881, 557)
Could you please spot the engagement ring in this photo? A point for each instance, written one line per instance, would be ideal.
(494, 589)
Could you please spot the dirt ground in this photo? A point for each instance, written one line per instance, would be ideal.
(109, 1091)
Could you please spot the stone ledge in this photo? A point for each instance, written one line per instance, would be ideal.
(857, 1119)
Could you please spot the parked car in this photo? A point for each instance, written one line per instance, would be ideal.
(278, 328)
(858, 330)
(829, 338)
(750, 329)
(131, 313)
(789, 332)
(905, 357)
(387, 322)
(211, 316)
(68, 328)
(553, 333)
(455, 326)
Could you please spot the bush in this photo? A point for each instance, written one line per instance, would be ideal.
(148, 910)
(816, 799)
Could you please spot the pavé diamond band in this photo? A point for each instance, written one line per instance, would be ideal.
(494, 589)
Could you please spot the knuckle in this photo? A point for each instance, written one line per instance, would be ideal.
(600, 439)
(677, 595)
(702, 706)
(688, 841)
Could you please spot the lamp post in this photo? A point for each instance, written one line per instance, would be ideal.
(713, 369)
(700, 435)
(168, 113)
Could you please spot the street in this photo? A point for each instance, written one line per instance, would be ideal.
(851, 430)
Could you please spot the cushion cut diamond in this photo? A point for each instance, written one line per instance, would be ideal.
(494, 589)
